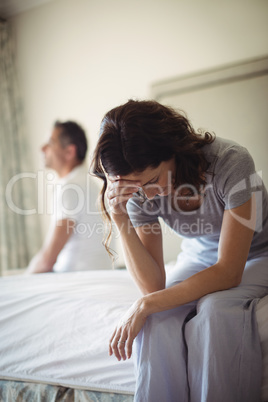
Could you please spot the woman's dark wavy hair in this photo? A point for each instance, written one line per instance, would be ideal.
(142, 134)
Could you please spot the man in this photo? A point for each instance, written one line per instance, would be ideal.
(74, 240)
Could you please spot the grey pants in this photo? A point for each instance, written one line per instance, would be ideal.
(207, 350)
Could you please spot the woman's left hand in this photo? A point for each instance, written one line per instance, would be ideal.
(122, 339)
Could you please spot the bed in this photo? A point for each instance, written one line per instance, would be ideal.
(54, 337)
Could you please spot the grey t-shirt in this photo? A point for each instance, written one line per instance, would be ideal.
(231, 180)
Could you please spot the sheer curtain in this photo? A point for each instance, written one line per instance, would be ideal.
(19, 224)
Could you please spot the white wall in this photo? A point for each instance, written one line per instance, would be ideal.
(78, 58)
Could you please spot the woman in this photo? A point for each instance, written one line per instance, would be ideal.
(195, 332)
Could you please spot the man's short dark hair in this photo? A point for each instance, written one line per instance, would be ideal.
(73, 133)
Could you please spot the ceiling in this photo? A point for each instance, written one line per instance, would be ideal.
(10, 8)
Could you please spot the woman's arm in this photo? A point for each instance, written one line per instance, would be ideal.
(142, 247)
(143, 253)
(235, 239)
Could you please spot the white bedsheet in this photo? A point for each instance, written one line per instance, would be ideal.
(54, 329)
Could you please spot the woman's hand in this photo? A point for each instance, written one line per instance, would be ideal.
(122, 339)
(118, 193)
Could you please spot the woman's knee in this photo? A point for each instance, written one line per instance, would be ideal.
(167, 323)
(214, 304)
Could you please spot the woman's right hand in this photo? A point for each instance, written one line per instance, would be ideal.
(118, 193)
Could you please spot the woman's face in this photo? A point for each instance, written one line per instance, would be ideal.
(155, 181)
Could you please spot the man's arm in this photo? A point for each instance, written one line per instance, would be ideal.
(45, 259)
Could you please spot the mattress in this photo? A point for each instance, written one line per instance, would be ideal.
(55, 330)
